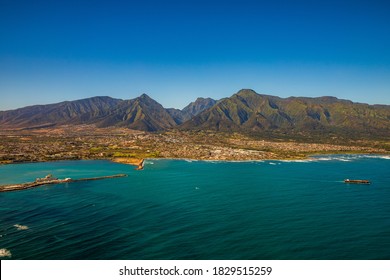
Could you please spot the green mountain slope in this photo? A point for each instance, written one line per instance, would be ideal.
(68, 112)
(245, 111)
(191, 110)
(141, 113)
(252, 112)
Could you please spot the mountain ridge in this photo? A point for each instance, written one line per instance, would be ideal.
(252, 112)
(245, 111)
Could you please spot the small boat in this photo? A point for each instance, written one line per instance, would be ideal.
(348, 181)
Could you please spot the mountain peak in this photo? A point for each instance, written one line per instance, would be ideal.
(199, 106)
(145, 96)
(200, 99)
(247, 92)
(147, 100)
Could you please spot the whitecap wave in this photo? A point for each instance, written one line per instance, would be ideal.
(379, 156)
(348, 158)
(322, 159)
(214, 161)
(344, 159)
(21, 227)
(5, 253)
(300, 160)
(189, 159)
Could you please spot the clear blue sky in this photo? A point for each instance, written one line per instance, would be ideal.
(175, 51)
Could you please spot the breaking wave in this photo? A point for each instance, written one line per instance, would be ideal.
(5, 253)
(348, 158)
(21, 227)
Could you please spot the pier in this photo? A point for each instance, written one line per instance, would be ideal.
(49, 180)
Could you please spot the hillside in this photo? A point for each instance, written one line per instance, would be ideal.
(252, 112)
(246, 112)
(67, 112)
(191, 110)
(141, 113)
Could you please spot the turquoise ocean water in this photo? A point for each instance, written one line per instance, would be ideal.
(177, 209)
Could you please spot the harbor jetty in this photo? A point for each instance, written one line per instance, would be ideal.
(141, 165)
(49, 180)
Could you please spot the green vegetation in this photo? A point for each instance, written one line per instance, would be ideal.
(313, 120)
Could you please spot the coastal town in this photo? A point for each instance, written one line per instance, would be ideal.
(131, 146)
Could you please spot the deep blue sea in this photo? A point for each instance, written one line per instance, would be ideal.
(178, 209)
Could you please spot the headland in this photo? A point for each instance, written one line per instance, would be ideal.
(132, 161)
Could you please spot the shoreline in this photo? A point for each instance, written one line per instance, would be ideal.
(139, 163)
(311, 157)
(303, 157)
(127, 147)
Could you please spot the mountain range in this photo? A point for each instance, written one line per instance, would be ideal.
(245, 111)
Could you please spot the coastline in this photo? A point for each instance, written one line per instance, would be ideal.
(140, 162)
(309, 157)
(128, 147)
